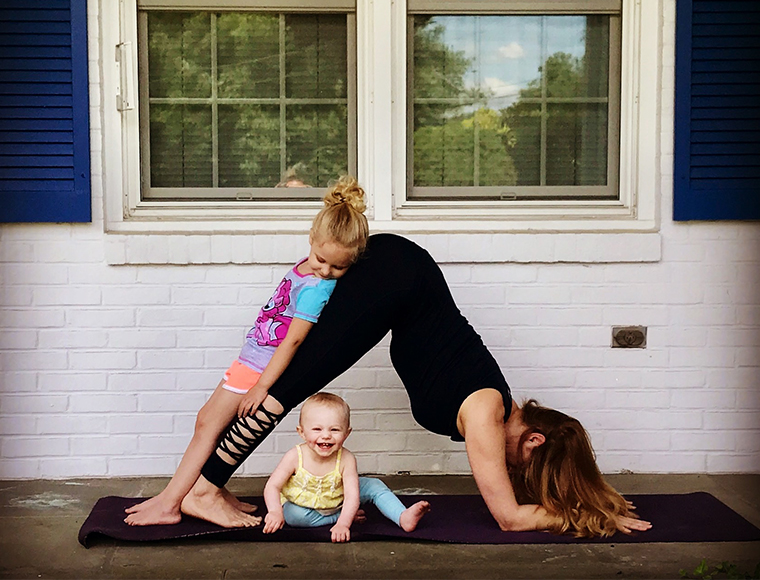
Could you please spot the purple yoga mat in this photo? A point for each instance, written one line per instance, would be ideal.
(460, 519)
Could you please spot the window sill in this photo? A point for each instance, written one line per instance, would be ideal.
(448, 242)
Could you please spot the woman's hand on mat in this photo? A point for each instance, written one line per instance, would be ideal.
(273, 522)
(251, 401)
(629, 525)
(340, 533)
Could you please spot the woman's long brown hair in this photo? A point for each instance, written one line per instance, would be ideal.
(562, 476)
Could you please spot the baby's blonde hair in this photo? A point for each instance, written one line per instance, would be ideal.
(342, 220)
(327, 400)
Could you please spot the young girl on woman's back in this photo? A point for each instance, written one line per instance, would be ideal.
(337, 238)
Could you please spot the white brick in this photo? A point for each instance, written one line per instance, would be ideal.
(539, 296)
(569, 316)
(413, 463)
(202, 296)
(141, 338)
(20, 468)
(35, 447)
(16, 252)
(60, 468)
(19, 425)
(141, 381)
(136, 294)
(145, 423)
(711, 398)
(104, 445)
(34, 274)
(703, 440)
(67, 338)
(162, 444)
(140, 466)
(739, 463)
(14, 318)
(16, 295)
(644, 399)
(71, 424)
(479, 295)
(170, 359)
(100, 318)
(102, 403)
(17, 382)
(66, 295)
(634, 441)
(173, 317)
(378, 442)
(38, 360)
(732, 420)
(102, 360)
(190, 402)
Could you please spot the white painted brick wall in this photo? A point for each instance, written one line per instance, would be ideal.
(103, 368)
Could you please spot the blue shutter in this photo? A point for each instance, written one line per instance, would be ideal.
(44, 117)
(717, 110)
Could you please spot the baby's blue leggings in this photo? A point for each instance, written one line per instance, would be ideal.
(370, 490)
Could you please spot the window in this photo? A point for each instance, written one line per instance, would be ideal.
(455, 115)
(514, 106)
(235, 103)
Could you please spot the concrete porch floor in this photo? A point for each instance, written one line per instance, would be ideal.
(39, 521)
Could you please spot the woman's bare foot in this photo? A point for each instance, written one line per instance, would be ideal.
(243, 506)
(412, 515)
(154, 511)
(211, 505)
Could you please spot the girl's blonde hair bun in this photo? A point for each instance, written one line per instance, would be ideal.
(342, 220)
(346, 190)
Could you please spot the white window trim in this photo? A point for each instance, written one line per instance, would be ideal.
(381, 123)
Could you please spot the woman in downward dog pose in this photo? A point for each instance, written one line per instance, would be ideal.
(317, 482)
(338, 235)
(534, 467)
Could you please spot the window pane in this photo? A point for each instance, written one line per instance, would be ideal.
(239, 99)
(317, 142)
(510, 100)
(179, 61)
(316, 58)
(180, 146)
(249, 145)
(248, 54)
(576, 145)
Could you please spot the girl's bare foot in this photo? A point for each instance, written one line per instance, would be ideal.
(243, 506)
(152, 512)
(412, 515)
(213, 508)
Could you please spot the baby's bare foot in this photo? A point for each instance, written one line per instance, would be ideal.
(152, 512)
(360, 517)
(412, 515)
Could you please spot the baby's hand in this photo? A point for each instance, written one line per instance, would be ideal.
(251, 401)
(273, 522)
(340, 533)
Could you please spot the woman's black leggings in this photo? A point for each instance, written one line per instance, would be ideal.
(365, 305)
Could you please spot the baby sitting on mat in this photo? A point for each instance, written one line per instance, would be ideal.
(317, 482)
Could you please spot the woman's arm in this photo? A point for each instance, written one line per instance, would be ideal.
(281, 358)
(275, 519)
(341, 531)
(481, 422)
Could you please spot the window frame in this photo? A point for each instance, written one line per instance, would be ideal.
(610, 190)
(381, 128)
(227, 194)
